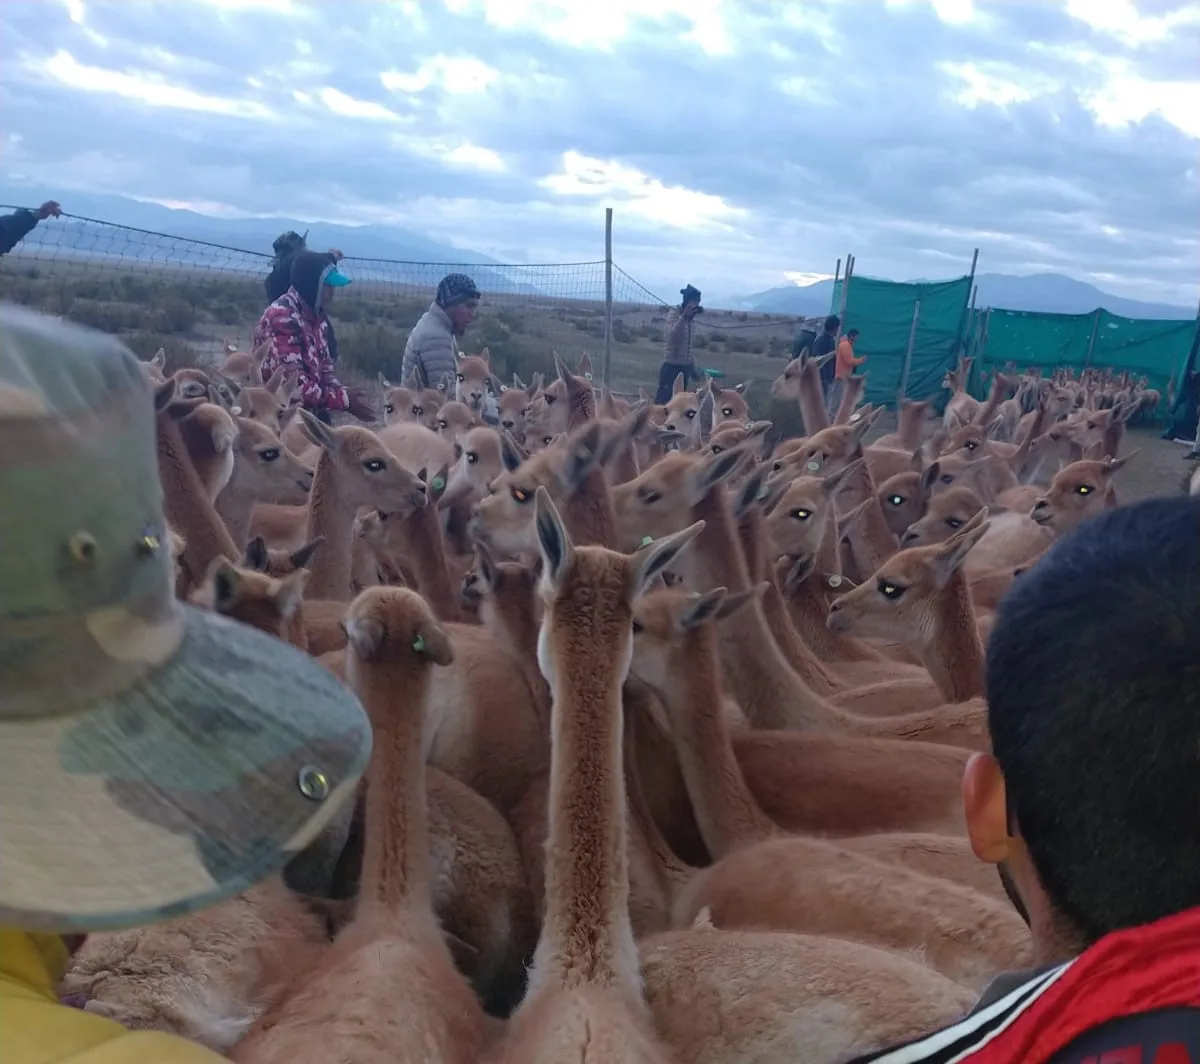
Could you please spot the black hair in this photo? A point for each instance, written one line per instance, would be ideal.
(852, 333)
(833, 323)
(1093, 692)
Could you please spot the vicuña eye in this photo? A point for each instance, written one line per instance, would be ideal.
(375, 465)
(269, 455)
(802, 515)
(889, 590)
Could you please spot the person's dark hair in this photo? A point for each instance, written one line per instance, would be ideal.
(1093, 693)
(851, 333)
(307, 269)
(833, 323)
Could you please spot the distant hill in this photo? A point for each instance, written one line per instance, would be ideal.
(247, 234)
(1045, 292)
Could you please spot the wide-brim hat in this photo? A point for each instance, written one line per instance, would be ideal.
(154, 758)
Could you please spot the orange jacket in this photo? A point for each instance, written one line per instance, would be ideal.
(847, 359)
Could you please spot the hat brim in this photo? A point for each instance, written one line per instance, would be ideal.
(336, 279)
(213, 771)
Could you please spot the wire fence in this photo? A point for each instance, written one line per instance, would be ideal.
(192, 297)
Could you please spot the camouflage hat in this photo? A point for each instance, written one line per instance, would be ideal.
(154, 758)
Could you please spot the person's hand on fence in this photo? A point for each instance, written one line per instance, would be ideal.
(360, 406)
(337, 254)
(49, 209)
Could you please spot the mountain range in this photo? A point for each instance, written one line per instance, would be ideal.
(1051, 292)
(1042, 292)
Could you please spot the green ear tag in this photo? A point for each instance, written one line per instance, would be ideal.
(418, 645)
(646, 541)
(835, 580)
(813, 467)
(438, 483)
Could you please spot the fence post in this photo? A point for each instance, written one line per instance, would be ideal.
(608, 299)
(845, 293)
(908, 352)
(1087, 361)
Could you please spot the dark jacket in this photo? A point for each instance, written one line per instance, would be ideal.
(15, 227)
(826, 344)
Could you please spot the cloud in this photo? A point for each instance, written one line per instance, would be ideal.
(741, 144)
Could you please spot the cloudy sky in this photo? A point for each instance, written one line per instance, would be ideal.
(739, 142)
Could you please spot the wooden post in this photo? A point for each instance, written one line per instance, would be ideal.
(908, 352)
(606, 374)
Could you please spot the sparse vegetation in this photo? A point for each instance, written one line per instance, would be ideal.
(192, 313)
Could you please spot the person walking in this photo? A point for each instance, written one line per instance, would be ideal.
(677, 344)
(846, 361)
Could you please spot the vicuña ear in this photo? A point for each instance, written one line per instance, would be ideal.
(226, 583)
(318, 432)
(653, 558)
(954, 551)
(301, 556)
(700, 608)
(553, 541)
(257, 556)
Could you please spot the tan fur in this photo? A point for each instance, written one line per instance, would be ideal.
(757, 997)
(207, 976)
(387, 990)
(417, 447)
(471, 381)
(209, 433)
(1079, 491)
(585, 991)
(355, 469)
(800, 382)
(920, 596)
(729, 406)
(818, 887)
(769, 692)
(264, 470)
(186, 504)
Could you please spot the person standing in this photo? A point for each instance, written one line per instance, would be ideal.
(823, 346)
(846, 361)
(17, 226)
(677, 356)
(295, 330)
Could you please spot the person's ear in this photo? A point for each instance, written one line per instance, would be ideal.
(986, 809)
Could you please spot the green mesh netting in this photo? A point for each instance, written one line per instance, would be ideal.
(882, 311)
(1157, 350)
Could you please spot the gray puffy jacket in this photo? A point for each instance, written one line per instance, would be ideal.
(432, 350)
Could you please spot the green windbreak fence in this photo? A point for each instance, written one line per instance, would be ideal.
(882, 311)
(1157, 350)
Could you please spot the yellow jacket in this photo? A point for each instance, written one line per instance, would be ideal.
(36, 1029)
